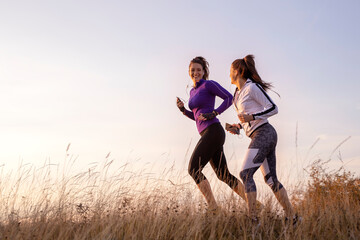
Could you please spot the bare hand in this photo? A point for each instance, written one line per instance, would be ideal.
(179, 103)
(233, 128)
(245, 117)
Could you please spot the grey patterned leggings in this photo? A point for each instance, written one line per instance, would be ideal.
(261, 154)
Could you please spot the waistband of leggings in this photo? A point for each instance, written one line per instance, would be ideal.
(216, 124)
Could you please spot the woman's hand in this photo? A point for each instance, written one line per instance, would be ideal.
(208, 116)
(245, 117)
(180, 105)
(233, 128)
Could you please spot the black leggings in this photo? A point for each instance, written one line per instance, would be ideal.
(210, 148)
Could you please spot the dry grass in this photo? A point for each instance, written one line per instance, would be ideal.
(101, 203)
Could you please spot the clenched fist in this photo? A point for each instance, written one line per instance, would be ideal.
(245, 117)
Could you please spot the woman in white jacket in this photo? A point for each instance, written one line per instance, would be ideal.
(253, 107)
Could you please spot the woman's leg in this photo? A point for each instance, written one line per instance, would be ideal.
(200, 157)
(268, 169)
(218, 163)
(247, 176)
(259, 148)
(205, 189)
(223, 173)
(283, 199)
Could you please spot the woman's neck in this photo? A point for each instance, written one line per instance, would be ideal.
(240, 83)
(195, 82)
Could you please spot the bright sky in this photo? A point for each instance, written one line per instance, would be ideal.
(103, 76)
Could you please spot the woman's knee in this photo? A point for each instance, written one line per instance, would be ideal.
(196, 174)
(273, 183)
(246, 176)
(227, 178)
(221, 175)
(191, 171)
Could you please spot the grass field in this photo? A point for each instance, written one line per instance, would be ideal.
(45, 203)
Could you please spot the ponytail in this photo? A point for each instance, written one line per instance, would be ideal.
(247, 70)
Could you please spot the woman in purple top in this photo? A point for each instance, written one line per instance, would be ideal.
(210, 146)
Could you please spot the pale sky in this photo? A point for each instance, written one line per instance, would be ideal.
(103, 76)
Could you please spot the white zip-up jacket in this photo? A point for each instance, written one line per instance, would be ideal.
(253, 100)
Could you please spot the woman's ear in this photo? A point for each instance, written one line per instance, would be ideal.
(236, 74)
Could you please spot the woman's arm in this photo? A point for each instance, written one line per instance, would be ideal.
(260, 96)
(216, 89)
(182, 108)
(189, 114)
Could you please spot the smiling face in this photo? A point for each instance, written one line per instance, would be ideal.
(196, 72)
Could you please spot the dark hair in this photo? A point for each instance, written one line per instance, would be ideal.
(246, 68)
(205, 65)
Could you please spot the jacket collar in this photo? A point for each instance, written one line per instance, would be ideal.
(247, 82)
(198, 84)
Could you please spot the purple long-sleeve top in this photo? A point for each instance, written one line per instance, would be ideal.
(202, 100)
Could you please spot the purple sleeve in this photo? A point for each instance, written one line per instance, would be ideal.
(221, 92)
(189, 114)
